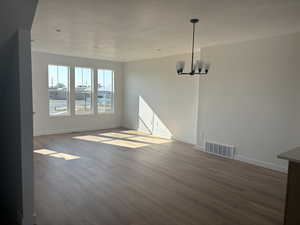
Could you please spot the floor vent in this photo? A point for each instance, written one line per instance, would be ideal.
(227, 151)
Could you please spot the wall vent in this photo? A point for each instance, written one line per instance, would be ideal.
(227, 151)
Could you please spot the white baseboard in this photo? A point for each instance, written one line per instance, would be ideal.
(70, 130)
(182, 140)
(199, 147)
(255, 162)
(261, 163)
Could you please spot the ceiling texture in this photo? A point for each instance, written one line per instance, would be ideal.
(127, 30)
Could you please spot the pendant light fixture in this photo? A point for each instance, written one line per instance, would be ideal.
(199, 68)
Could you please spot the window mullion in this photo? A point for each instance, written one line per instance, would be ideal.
(113, 92)
(95, 91)
(72, 90)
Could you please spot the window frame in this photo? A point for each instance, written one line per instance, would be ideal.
(113, 91)
(92, 111)
(68, 113)
(71, 90)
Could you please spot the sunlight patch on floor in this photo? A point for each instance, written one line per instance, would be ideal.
(44, 151)
(124, 138)
(65, 156)
(150, 140)
(55, 154)
(115, 135)
(93, 138)
(127, 144)
(134, 132)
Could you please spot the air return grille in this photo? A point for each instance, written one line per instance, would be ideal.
(227, 151)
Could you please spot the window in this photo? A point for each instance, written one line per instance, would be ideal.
(83, 90)
(89, 94)
(105, 91)
(58, 90)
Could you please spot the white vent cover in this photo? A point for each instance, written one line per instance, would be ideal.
(227, 151)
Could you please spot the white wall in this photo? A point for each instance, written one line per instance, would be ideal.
(43, 123)
(249, 99)
(158, 101)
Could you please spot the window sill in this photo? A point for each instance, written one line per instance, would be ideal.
(85, 114)
(101, 113)
(58, 116)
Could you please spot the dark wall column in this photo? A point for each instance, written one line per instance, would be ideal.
(26, 123)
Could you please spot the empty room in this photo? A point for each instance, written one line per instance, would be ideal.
(150, 112)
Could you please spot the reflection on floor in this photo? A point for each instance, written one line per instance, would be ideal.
(125, 177)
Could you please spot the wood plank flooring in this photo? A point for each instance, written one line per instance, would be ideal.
(120, 177)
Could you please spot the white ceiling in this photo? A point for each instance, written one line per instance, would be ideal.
(125, 30)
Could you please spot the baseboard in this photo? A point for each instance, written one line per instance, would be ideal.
(261, 163)
(199, 147)
(182, 140)
(172, 137)
(70, 130)
(255, 162)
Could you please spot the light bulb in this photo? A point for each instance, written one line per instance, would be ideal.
(180, 67)
(199, 65)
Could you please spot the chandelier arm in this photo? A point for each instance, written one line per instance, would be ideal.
(196, 73)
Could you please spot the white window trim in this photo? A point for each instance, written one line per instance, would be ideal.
(68, 114)
(113, 88)
(71, 91)
(92, 112)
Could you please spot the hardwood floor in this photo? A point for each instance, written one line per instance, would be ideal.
(120, 177)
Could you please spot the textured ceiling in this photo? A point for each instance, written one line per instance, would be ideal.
(126, 30)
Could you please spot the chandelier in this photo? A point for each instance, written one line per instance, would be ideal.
(197, 68)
